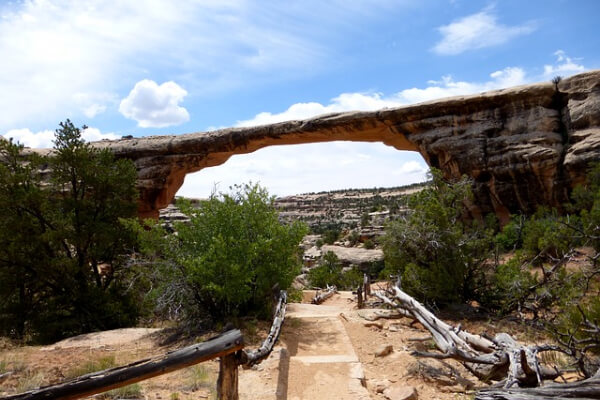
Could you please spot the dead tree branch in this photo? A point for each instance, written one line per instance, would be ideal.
(498, 358)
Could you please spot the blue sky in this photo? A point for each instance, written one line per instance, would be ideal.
(160, 67)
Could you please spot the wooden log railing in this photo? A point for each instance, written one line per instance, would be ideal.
(103, 381)
(227, 346)
(252, 357)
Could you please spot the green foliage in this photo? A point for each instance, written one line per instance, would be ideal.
(331, 235)
(330, 272)
(353, 238)
(439, 257)
(548, 235)
(510, 284)
(226, 260)
(511, 236)
(365, 219)
(63, 249)
(369, 244)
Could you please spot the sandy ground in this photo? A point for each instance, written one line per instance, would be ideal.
(325, 351)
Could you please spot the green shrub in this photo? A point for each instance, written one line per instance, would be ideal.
(331, 235)
(330, 272)
(511, 238)
(439, 257)
(225, 262)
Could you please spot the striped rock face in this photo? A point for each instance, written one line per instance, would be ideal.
(523, 146)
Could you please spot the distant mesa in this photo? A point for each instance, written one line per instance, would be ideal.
(523, 146)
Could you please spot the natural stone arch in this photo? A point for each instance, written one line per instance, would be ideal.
(523, 146)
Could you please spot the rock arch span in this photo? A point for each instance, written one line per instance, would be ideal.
(523, 146)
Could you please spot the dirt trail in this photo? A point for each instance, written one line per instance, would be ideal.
(315, 358)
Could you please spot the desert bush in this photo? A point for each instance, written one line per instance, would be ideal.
(330, 272)
(225, 262)
(439, 257)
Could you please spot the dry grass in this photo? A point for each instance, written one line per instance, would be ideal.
(90, 366)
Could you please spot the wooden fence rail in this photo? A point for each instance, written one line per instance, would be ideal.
(227, 346)
(102, 381)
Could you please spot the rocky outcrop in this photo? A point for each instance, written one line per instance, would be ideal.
(523, 146)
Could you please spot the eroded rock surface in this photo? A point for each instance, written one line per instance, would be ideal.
(523, 146)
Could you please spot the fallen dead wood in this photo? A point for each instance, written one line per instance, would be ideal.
(498, 358)
(252, 357)
(322, 296)
(102, 381)
(585, 389)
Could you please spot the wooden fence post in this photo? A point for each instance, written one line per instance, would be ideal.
(359, 293)
(367, 284)
(227, 384)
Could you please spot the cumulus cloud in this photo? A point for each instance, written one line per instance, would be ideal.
(155, 106)
(446, 87)
(477, 31)
(43, 139)
(412, 168)
(344, 102)
(52, 50)
(288, 170)
(565, 66)
(92, 104)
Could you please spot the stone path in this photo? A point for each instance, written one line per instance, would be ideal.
(315, 359)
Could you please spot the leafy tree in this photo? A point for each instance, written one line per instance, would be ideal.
(330, 272)
(226, 260)
(63, 249)
(438, 256)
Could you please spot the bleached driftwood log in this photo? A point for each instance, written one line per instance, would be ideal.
(252, 357)
(324, 295)
(500, 358)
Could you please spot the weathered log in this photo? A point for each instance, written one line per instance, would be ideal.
(227, 384)
(488, 359)
(321, 297)
(252, 357)
(98, 382)
(585, 389)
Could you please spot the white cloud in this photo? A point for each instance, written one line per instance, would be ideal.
(344, 102)
(53, 50)
(92, 104)
(446, 87)
(43, 139)
(287, 170)
(565, 66)
(155, 106)
(412, 168)
(477, 31)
